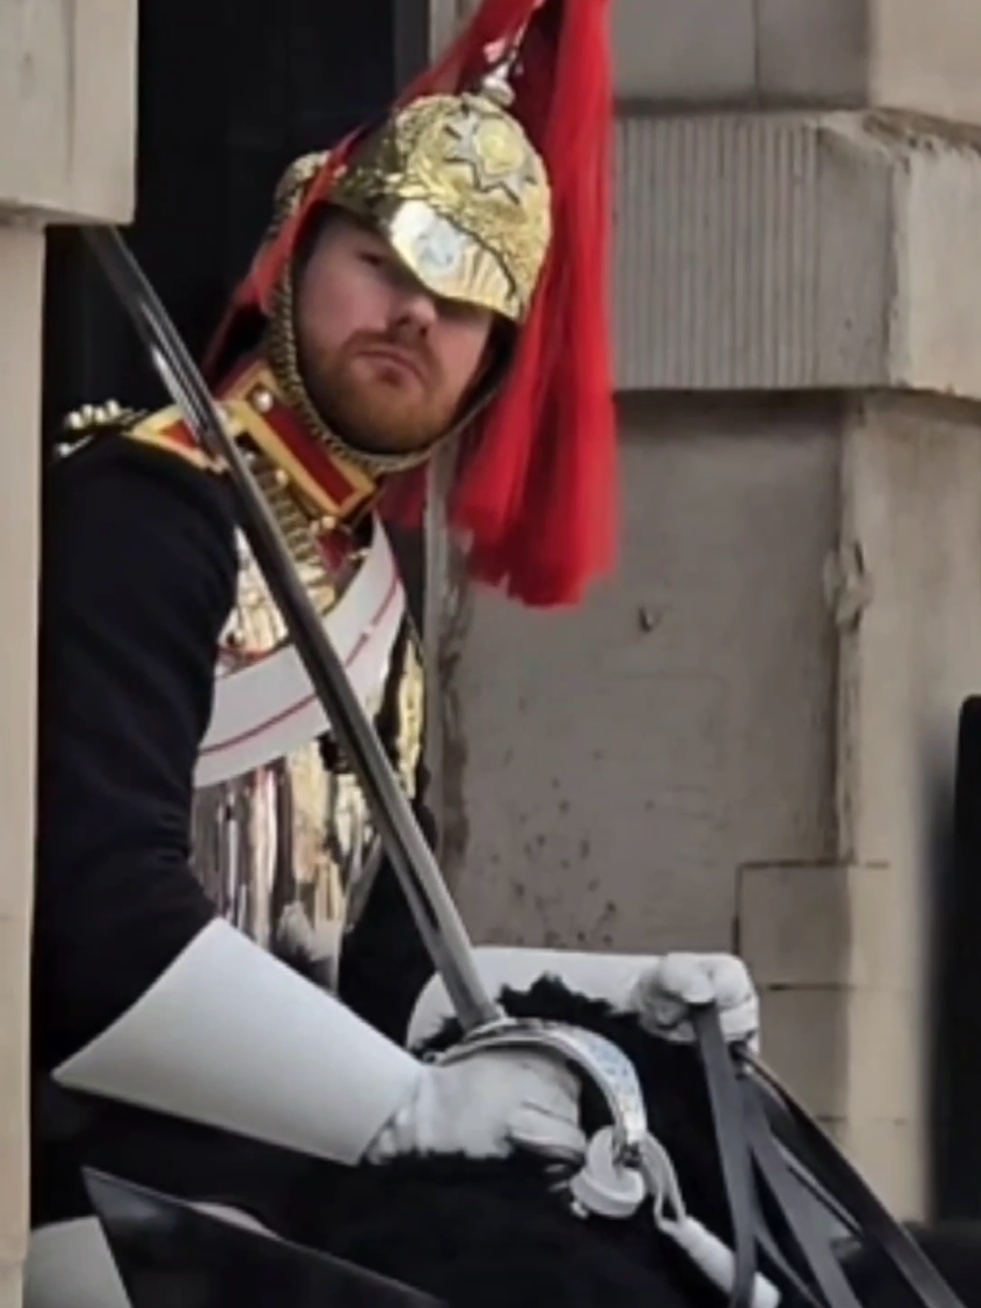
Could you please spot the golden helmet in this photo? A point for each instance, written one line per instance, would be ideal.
(458, 190)
(462, 196)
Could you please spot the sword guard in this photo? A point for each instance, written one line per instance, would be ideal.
(595, 1059)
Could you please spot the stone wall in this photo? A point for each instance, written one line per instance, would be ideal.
(67, 107)
(746, 739)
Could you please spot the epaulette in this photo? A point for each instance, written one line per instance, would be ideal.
(81, 425)
(164, 430)
(328, 484)
(167, 430)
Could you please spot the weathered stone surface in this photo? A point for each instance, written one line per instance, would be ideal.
(68, 108)
(784, 251)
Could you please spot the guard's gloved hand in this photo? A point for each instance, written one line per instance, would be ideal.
(485, 1107)
(664, 991)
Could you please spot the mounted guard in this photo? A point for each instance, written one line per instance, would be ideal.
(440, 274)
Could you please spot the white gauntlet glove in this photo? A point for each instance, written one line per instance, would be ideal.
(664, 991)
(229, 1037)
(485, 1107)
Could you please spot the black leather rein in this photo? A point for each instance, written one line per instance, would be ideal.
(754, 1164)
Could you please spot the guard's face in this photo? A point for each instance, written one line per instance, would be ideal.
(388, 364)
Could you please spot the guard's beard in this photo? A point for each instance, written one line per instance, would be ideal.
(376, 415)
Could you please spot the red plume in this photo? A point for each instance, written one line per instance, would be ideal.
(536, 487)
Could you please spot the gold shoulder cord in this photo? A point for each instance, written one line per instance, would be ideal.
(97, 421)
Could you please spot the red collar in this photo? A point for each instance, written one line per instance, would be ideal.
(332, 486)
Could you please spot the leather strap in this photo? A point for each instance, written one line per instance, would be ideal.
(777, 1261)
(873, 1220)
(746, 1142)
(734, 1155)
(736, 1161)
(794, 1208)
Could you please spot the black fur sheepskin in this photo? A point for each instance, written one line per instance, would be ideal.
(491, 1235)
(477, 1234)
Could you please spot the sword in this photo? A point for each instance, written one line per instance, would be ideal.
(435, 914)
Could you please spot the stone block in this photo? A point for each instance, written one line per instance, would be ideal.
(782, 251)
(818, 926)
(699, 50)
(805, 1041)
(883, 1079)
(611, 768)
(68, 108)
(813, 50)
(895, 54)
(891, 1157)
(925, 58)
(11, 1287)
(848, 1054)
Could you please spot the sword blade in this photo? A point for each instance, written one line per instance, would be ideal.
(435, 914)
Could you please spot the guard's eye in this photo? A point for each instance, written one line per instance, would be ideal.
(375, 259)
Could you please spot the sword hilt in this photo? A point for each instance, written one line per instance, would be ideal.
(597, 1061)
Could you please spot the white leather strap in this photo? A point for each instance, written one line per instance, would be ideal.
(231, 1038)
(265, 710)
